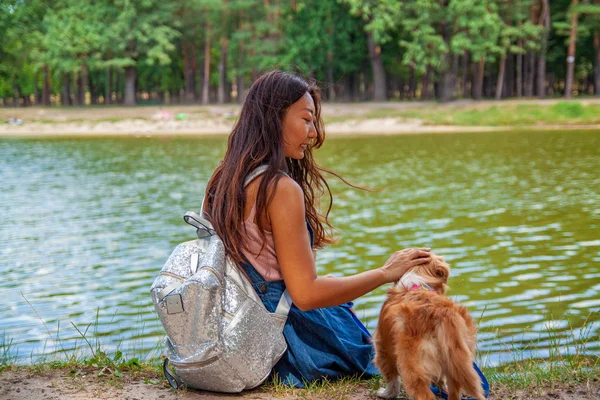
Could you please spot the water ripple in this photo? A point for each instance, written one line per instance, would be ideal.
(89, 222)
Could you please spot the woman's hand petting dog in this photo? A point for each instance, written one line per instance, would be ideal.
(402, 261)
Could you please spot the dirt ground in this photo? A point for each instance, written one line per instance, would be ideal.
(59, 384)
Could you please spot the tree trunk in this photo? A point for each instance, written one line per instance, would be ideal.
(223, 71)
(489, 84)
(541, 65)
(83, 80)
(16, 93)
(65, 95)
(119, 86)
(530, 80)
(363, 92)
(239, 79)
(200, 78)
(108, 87)
(75, 91)
(36, 91)
(93, 90)
(465, 74)
(447, 78)
(412, 84)
(213, 94)
(206, 78)
(331, 83)
(346, 92)
(551, 83)
(379, 93)
(597, 63)
(189, 70)
(401, 84)
(396, 81)
(355, 87)
(130, 76)
(520, 70)
(500, 80)
(571, 50)
(46, 88)
(240, 83)
(527, 90)
(478, 81)
(448, 81)
(509, 76)
(425, 83)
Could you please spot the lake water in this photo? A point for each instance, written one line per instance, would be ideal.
(87, 224)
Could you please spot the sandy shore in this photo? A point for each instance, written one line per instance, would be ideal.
(64, 384)
(385, 126)
(344, 119)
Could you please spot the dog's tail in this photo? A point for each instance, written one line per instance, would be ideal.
(458, 357)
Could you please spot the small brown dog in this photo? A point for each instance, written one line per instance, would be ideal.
(423, 337)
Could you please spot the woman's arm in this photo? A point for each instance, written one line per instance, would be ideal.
(292, 245)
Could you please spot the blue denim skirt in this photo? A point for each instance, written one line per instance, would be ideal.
(323, 343)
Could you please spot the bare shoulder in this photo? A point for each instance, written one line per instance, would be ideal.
(288, 195)
(288, 186)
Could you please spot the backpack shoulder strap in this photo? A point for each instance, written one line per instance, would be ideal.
(255, 173)
(198, 222)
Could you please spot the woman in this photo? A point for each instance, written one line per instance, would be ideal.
(271, 226)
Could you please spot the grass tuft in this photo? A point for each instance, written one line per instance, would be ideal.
(324, 389)
(7, 359)
(569, 361)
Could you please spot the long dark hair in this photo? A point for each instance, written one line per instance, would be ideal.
(257, 139)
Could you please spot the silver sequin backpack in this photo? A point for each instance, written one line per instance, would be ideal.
(220, 336)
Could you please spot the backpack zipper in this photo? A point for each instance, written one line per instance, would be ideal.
(195, 364)
(165, 273)
(212, 270)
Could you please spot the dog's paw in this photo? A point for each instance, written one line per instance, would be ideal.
(387, 393)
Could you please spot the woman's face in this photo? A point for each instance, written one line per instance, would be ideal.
(299, 127)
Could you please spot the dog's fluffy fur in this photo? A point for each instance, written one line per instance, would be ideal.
(423, 337)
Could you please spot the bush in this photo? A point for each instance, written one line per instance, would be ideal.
(569, 109)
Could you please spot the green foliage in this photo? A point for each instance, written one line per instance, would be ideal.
(74, 33)
(382, 17)
(316, 37)
(142, 31)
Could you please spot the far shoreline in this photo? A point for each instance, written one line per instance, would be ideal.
(375, 127)
(341, 119)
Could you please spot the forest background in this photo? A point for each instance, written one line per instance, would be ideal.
(82, 52)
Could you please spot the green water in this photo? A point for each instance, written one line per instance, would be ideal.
(87, 224)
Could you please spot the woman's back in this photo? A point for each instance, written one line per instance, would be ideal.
(260, 251)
